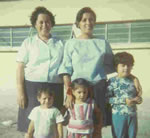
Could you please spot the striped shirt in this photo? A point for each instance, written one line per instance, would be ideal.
(81, 120)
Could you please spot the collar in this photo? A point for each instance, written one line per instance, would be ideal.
(49, 40)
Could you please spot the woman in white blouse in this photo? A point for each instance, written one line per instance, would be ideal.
(38, 61)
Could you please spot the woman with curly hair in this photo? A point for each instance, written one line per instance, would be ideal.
(38, 61)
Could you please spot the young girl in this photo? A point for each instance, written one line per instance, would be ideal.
(46, 120)
(123, 96)
(81, 115)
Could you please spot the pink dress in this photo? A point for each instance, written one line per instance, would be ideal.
(81, 122)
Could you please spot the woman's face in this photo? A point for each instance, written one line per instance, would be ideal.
(87, 23)
(43, 25)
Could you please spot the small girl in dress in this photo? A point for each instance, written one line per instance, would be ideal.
(81, 115)
(46, 120)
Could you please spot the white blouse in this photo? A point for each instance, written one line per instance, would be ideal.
(41, 59)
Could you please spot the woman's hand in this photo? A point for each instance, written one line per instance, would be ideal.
(69, 101)
(21, 97)
(69, 98)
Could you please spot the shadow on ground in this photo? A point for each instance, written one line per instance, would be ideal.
(9, 108)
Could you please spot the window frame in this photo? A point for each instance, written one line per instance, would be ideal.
(105, 34)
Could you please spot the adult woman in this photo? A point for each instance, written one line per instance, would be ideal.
(38, 61)
(88, 57)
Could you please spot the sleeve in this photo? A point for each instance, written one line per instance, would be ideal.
(32, 115)
(108, 59)
(61, 51)
(23, 53)
(66, 65)
(59, 116)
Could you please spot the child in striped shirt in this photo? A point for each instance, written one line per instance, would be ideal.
(81, 115)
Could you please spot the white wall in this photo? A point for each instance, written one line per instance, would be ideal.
(18, 13)
(141, 69)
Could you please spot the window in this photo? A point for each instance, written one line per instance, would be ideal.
(13, 36)
(140, 32)
(114, 32)
(62, 31)
(118, 33)
(5, 37)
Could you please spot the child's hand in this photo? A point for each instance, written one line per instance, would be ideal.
(137, 100)
(130, 102)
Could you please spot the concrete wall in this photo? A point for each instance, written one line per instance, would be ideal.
(141, 68)
(18, 13)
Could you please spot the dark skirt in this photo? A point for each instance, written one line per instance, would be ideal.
(31, 92)
(100, 89)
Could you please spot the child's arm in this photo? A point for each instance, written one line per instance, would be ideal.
(98, 125)
(30, 131)
(60, 130)
(138, 98)
(137, 85)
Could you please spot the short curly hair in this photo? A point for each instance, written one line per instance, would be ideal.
(81, 12)
(41, 10)
(123, 58)
(45, 91)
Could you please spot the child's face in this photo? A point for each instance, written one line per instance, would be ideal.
(124, 70)
(80, 93)
(46, 100)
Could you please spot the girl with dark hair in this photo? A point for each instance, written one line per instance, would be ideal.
(81, 115)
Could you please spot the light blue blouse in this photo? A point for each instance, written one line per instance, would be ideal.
(90, 59)
(41, 59)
